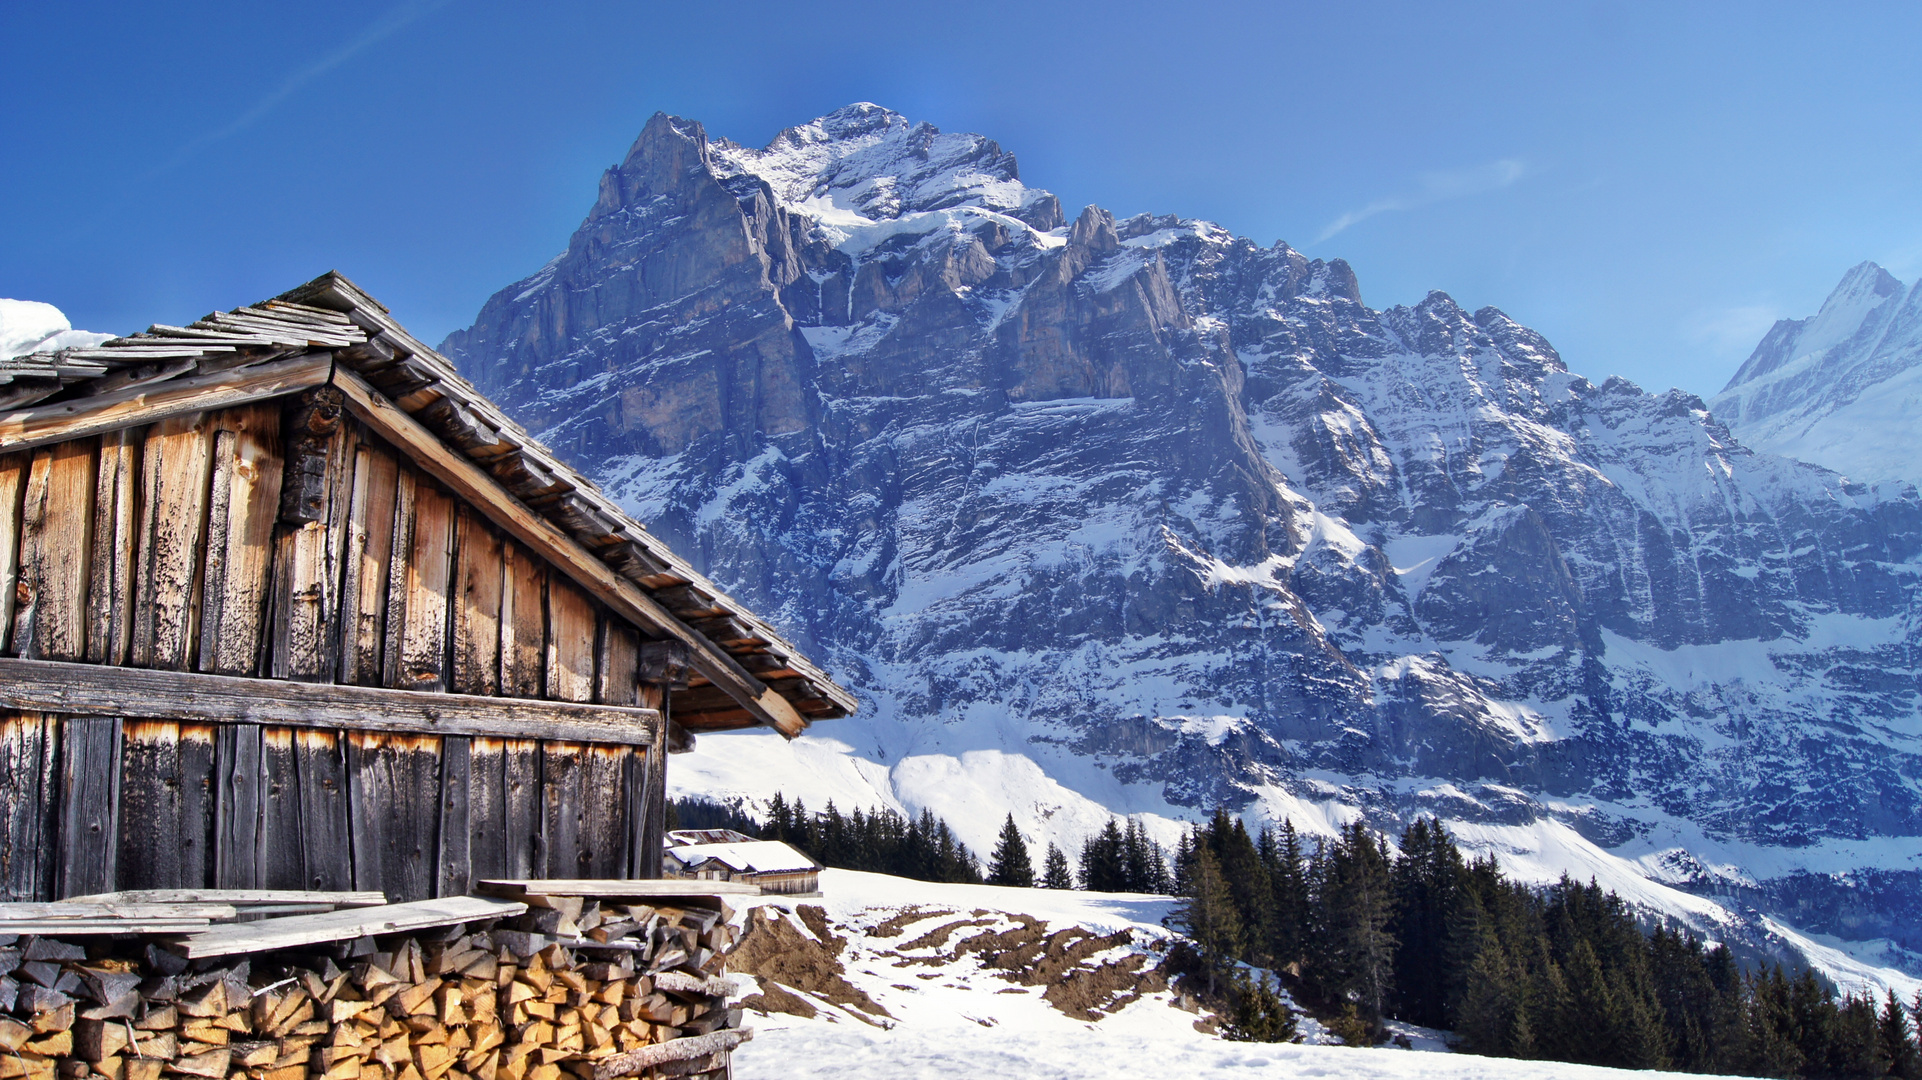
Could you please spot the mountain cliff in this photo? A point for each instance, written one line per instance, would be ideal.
(1841, 388)
(1139, 516)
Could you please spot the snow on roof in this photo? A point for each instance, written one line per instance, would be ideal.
(751, 857)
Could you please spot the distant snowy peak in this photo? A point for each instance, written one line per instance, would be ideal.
(29, 326)
(864, 163)
(1842, 388)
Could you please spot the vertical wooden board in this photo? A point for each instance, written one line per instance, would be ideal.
(197, 801)
(563, 793)
(393, 802)
(306, 574)
(521, 803)
(240, 776)
(652, 811)
(56, 546)
(326, 851)
(28, 743)
(406, 488)
(369, 548)
(456, 819)
(174, 471)
(571, 630)
(477, 605)
(523, 623)
(487, 849)
(13, 483)
(110, 573)
(89, 805)
(150, 806)
(604, 811)
(427, 578)
(244, 501)
(620, 659)
(279, 864)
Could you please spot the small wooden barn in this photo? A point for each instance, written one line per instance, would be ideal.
(286, 604)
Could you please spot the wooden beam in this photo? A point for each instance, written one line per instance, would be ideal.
(42, 424)
(90, 690)
(471, 482)
(614, 888)
(296, 930)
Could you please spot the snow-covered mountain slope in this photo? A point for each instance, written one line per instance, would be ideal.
(29, 326)
(1138, 516)
(1842, 388)
(908, 979)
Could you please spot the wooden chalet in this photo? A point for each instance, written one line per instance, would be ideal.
(286, 604)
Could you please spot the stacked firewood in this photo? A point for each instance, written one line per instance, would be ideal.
(570, 990)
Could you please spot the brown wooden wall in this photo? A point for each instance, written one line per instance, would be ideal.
(169, 546)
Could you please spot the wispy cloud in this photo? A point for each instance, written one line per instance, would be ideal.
(396, 19)
(1726, 331)
(1437, 187)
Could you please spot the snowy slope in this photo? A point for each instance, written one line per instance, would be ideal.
(1842, 388)
(29, 326)
(943, 1011)
(1140, 517)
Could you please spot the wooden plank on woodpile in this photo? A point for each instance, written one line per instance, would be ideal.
(280, 864)
(604, 813)
(13, 484)
(477, 605)
(320, 769)
(393, 799)
(239, 774)
(297, 930)
(563, 795)
(49, 686)
(427, 577)
(96, 927)
(521, 799)
(22, 429)
(469, 482)
(369, 551)
(83, 907)
(174, 465)
(615, 888)
(89, 804)
(642, 1058)
(455, 829)
(235, 898)
(111, 570)
(523, 623)
(56, 544)
(150, 805)
(244, 502)
(571, 642)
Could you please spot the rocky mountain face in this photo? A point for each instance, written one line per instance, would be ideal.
(1139, 515)
(1841, 388)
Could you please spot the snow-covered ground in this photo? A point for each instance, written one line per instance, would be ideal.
(924, 956)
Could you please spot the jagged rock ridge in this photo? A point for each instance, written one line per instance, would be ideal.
(1167, 518)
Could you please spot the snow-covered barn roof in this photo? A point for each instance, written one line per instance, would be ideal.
(747, 857)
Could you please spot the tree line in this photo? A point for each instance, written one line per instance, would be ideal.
(1564, 973)
(882, 841)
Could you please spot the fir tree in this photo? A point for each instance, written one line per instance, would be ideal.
(1055, 874)
(1895, 1043)
(1010, 864)
(1207, 914)
(1259, 1014)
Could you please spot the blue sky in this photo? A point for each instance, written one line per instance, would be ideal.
(1648, 185)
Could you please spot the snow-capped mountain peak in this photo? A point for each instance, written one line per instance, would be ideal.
(1840, 388)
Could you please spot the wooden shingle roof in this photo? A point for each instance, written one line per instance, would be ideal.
(744, 671)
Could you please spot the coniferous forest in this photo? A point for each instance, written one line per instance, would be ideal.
(1564, 973)
(1361, 932)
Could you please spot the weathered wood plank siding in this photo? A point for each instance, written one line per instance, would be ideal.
(231, 544)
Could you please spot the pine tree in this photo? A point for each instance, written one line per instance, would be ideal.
(1259, 1014)
(1010, 864)
(1207, 914)
(1055, 874)
(1103, 860)
(1895, 1043)
(1289, 880)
